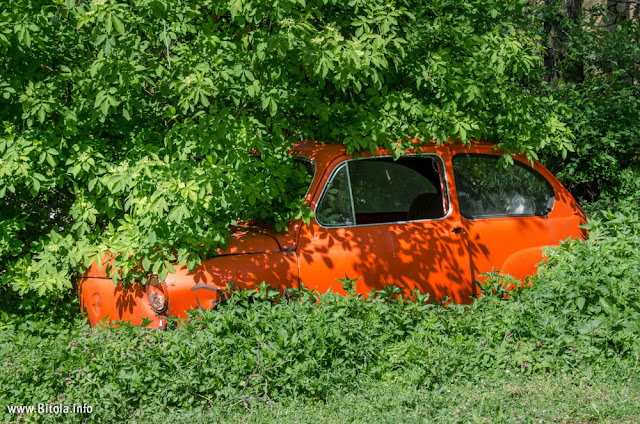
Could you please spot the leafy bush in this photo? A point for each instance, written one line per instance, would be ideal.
(595, 283)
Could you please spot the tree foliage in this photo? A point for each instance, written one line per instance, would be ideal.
(147, 128)
(602, 107)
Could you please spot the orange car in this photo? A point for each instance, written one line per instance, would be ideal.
(432, 220)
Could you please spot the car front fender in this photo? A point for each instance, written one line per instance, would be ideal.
(106, 303)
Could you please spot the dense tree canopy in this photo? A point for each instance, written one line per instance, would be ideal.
(148, 127)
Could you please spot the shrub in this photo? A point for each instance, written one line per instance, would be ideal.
(580, 315)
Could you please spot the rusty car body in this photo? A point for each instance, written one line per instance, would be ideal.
(433, 220)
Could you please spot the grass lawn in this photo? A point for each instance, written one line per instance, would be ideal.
(519, 399)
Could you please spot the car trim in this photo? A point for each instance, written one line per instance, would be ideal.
(345, 162)
(516, 163)
(353, 207)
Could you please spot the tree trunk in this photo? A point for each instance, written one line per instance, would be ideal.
(618, 11)
(556, 39)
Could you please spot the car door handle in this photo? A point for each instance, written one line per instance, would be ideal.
(458, 230)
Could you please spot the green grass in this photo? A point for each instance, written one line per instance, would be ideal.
(609, 398)
(519, 399)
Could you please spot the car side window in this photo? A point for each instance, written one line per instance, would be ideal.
(487, 189)
(335, 209)
(382, 190)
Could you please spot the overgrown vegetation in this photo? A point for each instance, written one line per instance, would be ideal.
(580, 317)
(127, 126)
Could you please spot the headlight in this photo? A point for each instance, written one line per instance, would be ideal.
(156, 295)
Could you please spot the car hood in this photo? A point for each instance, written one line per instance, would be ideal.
(246, 240)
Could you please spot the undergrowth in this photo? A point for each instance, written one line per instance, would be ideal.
(580, 317)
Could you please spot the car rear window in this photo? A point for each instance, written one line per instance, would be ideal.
(488, 189)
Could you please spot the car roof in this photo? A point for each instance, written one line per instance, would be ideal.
(324, 152)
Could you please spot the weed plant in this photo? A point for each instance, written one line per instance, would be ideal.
(580, 317)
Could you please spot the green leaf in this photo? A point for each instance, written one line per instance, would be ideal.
(41, 114)
(119, 25)
(273, 107)
(36, 184)
(108, 22)
(146, 263)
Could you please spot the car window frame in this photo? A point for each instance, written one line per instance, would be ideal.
(442, 171)
(516, 162)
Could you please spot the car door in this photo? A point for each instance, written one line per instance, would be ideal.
(386, 222)
(510, 213)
